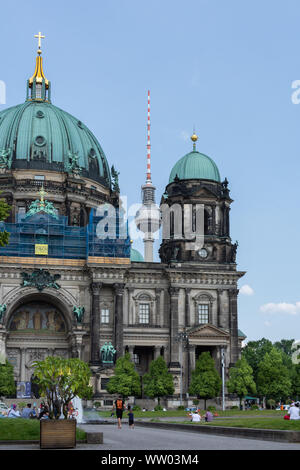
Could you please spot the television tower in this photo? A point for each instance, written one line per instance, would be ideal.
(148, 217)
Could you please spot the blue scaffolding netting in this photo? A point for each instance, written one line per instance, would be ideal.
(104, 236)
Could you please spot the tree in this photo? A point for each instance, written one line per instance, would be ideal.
(273, 378)
(158, 382)
(206, 382)
(60, 380)
(7, 383)
(126, 380)
(241, 379)
(4, 212)
(285, 345)
(295, 379)
(254, 353)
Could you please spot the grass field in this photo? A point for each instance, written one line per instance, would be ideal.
(18, 429)
(257, 423)
(183, 413)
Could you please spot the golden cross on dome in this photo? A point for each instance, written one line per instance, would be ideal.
(40, 37)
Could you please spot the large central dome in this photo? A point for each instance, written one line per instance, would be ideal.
(37, 135)
(42, 136)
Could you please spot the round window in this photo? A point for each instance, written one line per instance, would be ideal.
(40, 114)
(40, 140)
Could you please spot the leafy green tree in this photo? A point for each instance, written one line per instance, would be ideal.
(60, 380)
(241, 379)
(273, 378)
(295, 379)
(254, 352)
(205, 382)
(159, 381)
(285, 345)
(4, 212)
(7, 383)
(126, 380)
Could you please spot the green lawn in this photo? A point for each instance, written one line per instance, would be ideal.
(18, 429)
(258, 423)
(183, 413)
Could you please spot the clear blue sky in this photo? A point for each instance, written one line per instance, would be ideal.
(225, 67)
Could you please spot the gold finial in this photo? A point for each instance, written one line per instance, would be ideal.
(194, 139)
(39, 75)
(39, 36)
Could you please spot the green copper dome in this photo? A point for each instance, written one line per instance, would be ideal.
(38, 135)
(135, 256)
(195, 165)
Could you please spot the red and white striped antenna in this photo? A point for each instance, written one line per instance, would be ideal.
(148, 180)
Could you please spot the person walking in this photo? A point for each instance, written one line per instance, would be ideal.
(119, 405)
(130, 417)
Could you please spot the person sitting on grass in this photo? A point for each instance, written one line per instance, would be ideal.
(208, 416)
(294, 411)
(27, 412)
(13, 412)
(195, 416)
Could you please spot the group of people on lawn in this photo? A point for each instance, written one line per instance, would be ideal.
(195, 416)
(41, 412)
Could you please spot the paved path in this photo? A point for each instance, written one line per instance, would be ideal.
(142, 438)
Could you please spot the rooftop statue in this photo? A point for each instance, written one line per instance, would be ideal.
(5, 158)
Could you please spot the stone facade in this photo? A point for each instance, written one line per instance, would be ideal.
(140, 308)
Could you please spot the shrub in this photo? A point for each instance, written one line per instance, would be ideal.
(211, 408)
(136, 408)
(254, 407)
(97, 404)
(180, 407)
(158, 408)
(271, 403)
(22, 405)
(196, 402)
(234, 407)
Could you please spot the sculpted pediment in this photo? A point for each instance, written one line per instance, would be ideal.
(208, 331)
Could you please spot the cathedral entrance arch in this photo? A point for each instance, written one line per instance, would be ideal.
(38, 326)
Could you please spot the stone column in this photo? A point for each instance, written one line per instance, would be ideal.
(158, 307)
(118, 323)
(233, 326)
(131, 349)
(192, 361)
(174, 345)
(219, 322)
(187, 308)
(3, 334)
(22, 365)
(157, 351)
(95, 323)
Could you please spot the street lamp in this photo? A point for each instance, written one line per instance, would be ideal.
(181, 338)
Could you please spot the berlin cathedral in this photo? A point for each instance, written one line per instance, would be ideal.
(70, 279)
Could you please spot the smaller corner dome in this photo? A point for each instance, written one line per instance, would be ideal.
(195, 165)
(135, 256)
